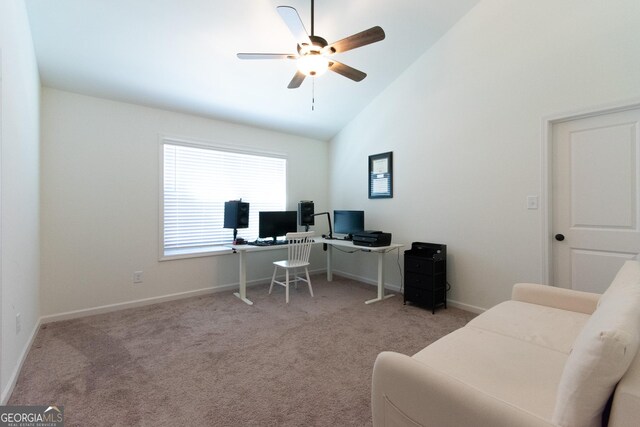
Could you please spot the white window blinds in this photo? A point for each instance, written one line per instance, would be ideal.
(197, 180)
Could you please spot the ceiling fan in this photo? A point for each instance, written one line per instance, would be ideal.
(314, 53)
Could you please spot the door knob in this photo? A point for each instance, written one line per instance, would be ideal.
(559, 237)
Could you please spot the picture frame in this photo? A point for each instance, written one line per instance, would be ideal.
(381, 176)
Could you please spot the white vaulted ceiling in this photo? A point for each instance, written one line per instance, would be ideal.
(181, 54)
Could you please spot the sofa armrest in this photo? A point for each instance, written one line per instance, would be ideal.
(406, 392)
(625, 411)
(550, 296)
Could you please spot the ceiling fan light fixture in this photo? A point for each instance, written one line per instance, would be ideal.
(314, 51)
(313, 64)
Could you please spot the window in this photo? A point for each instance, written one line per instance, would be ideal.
(199, 178)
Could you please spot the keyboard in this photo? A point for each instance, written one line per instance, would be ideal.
(268, 243)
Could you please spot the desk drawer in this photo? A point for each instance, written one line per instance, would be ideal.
(423, 265)
(424, 281)
(427, 297)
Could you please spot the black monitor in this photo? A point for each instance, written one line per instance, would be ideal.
(348, 222)
(277, 223)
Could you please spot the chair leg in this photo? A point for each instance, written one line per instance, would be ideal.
(273, 278)
(308, 281)
(287, 285)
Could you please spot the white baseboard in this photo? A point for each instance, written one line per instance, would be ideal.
(153, 300)
(466, 307)
(6, 393)
(132, 304)
(396, 288)
(373, 282)
(214, 289)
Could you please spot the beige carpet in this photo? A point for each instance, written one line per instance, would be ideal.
(214, 361)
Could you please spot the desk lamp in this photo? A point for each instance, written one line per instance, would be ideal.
(330, 235)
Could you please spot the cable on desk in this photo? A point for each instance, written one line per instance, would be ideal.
(347, 252)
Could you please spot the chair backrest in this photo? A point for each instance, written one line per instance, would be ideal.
(300, 245)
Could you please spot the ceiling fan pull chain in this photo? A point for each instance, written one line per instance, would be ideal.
(312, 19)
(313, 94)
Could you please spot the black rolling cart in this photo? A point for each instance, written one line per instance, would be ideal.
(425, 275)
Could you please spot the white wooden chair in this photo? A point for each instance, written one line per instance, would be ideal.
(299, 248)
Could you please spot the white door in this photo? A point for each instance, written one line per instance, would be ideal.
(596, 208)
(1, 102)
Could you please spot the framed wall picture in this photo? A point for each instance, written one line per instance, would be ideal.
(381, 176)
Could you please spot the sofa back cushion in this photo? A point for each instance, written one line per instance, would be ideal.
(600, 356)
(628, 275)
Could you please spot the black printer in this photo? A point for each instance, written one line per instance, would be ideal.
(371, 238)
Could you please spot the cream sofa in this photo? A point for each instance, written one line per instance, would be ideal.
(547, 357)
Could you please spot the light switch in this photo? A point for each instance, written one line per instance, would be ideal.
(532, 202)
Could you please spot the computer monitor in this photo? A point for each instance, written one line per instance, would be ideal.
(348, 222)
(277, 223)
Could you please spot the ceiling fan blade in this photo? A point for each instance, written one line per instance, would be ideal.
(372, 35)
(297, 80)
(267, 56)
(345, 70)
(290, 17)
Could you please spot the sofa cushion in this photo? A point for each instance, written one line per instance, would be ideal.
(625, 410)
(519, 373)
(600, 356)
(628, 275)
(533, 323)
(560, 298)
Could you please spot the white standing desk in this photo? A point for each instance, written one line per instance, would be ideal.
(242, 250)
(347, 244)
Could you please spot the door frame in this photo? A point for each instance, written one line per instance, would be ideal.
(546, 197)
(1, 288)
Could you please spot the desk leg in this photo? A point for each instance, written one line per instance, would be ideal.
(329, 268)
(243, 278)
(381, 294)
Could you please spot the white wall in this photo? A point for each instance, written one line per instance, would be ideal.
(19, 202)
(100, 200)
(465, 127)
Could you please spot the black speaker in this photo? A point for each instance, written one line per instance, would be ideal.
(305, 213)
(236, 214)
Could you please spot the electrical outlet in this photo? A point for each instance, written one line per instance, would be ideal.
(18, 323)
(137, 277)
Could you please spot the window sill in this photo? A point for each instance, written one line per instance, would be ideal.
(195, 252)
